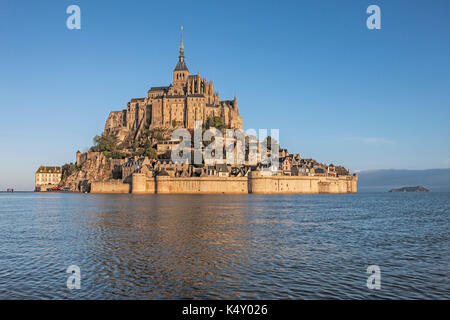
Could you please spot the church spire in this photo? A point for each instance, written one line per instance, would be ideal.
(181, 65)
(181, 44)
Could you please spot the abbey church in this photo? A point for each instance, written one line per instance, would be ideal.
(188, 99)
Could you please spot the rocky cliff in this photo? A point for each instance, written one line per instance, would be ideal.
(96, 167)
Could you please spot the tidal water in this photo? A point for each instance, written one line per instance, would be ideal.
(225, 247)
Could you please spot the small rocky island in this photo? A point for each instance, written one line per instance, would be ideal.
(410, 189)
(150, 147)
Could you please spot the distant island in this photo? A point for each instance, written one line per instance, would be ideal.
(410, 189)
(385, 179)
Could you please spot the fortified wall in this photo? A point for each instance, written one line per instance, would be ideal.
(254, 183)
(204, 185)
(301, 184)
(114, 186)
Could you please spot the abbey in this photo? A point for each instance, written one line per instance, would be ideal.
(188, 99)
(137, 152)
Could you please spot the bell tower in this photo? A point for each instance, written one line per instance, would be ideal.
(181, 72)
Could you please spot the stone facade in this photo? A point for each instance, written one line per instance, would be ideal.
(99, 174)
(301, 184)
(46, 177)
(188, 99)
(254, 183)
(110, 187)
(140, 161)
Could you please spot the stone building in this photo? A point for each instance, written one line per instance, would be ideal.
(166, 147)
(133, 165)
(47, 176)
(286, 165)
(300, 170)
(187, 99)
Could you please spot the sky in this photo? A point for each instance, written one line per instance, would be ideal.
(339, 92)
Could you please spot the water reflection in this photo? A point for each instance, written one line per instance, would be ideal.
(174, 249)
(224, 246)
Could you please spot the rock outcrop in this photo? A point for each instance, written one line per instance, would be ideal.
(95, 167)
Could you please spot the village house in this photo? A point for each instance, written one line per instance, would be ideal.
(286, 165)
(295, 159)
(318, 172)
(133, 165)
(331, 172)
(222, 170)
(166, 147)
(341, 171)
(210, 170)
(300, 170)
(46, 177)
(283, 153)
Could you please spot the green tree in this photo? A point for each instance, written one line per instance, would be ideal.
(158, 136)
(105, 142)
(214, 122)
(116, 154)
(151, 153)
(68, 169)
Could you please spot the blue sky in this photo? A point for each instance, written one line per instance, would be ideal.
(338, 92)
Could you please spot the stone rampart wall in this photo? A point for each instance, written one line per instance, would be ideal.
(255, 183)
(110, 187)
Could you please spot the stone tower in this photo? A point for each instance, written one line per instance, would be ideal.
(189, 98)
(181, 72)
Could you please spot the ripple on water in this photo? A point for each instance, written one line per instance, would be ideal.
(224, 247)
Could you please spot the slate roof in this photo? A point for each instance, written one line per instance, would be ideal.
(159, 88)
(132, 162)
(221, 167)
(163, 173)
(181, 65)
(44, 169)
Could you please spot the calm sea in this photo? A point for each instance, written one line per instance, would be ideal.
(217, 247)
